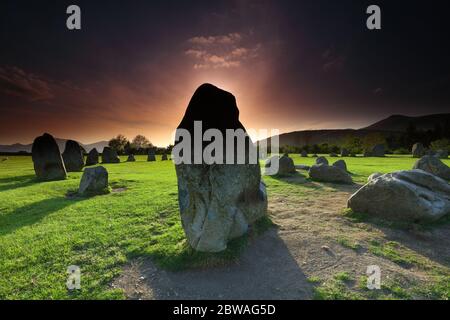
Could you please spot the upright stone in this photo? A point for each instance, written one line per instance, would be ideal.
(217, 202)
(109, 155)
(47, 160)
(378, 151)
(164, 157)
(286, 166)
(73, 156)
(304, 154)
(131, 158)
(151, 155)
(92, 157)
(341, 165)
(418, 150)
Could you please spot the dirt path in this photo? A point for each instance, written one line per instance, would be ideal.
(277, 264)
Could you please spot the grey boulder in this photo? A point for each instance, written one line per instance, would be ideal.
(322, 160)
(407, 196)
(94, 181)
(418, 150)
(131, 158)
(433, 165)
(341, 165)
(326, 173)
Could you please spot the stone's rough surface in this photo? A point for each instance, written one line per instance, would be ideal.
(302, 167)
(441, 154)
(217, 202)
(164, 157)
(109, 155)
(407, 196)
(92, 157)
(151, 155)
(47, 160)
(374, 176)
(378, 151)
(321, 160)
(304, 154)
(434, 166)
(93, 181)
(286, 166)
(131, 158)
(345, 152)
(326, 173)
(341, 165)
(418, 150)
(73, 156)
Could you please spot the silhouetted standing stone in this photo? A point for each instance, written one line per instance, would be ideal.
(217, 202)
(47, 160)
(92, 158)
(164, 157)
(73, 156)
(378, 151)
(151, 155)
(131, 158)
(304, 154)
(94, 181)
(418, 150)
(109, 155)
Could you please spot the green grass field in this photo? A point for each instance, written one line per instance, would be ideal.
(43, 230)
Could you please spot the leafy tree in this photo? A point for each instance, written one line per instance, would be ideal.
(141, 142)
(118, 143)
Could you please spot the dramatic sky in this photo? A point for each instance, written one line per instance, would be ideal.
(292, 65)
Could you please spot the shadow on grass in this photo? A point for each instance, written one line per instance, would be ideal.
(257, 266)
(32, 213)
(431, 240)
(12, 183)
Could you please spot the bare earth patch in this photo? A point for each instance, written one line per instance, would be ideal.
(313, 244)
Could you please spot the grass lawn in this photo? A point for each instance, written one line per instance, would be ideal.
(43, 230)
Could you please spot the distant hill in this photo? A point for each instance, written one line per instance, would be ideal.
(393, 125)
(17, 147)
(400, 123)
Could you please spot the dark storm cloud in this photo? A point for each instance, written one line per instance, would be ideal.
(18, 83)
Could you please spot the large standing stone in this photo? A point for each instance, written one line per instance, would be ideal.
(109, 155)
(217, 202)
(151, 155)
(94, 181)
(418, 150)
(434, 166)
(92, 157)
(47, 160)
(73, 156)
(326, 173)
(378, 151)
(409, 196)
(304, 154)
(322, 160)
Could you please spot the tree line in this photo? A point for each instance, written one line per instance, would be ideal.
(138, 145)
